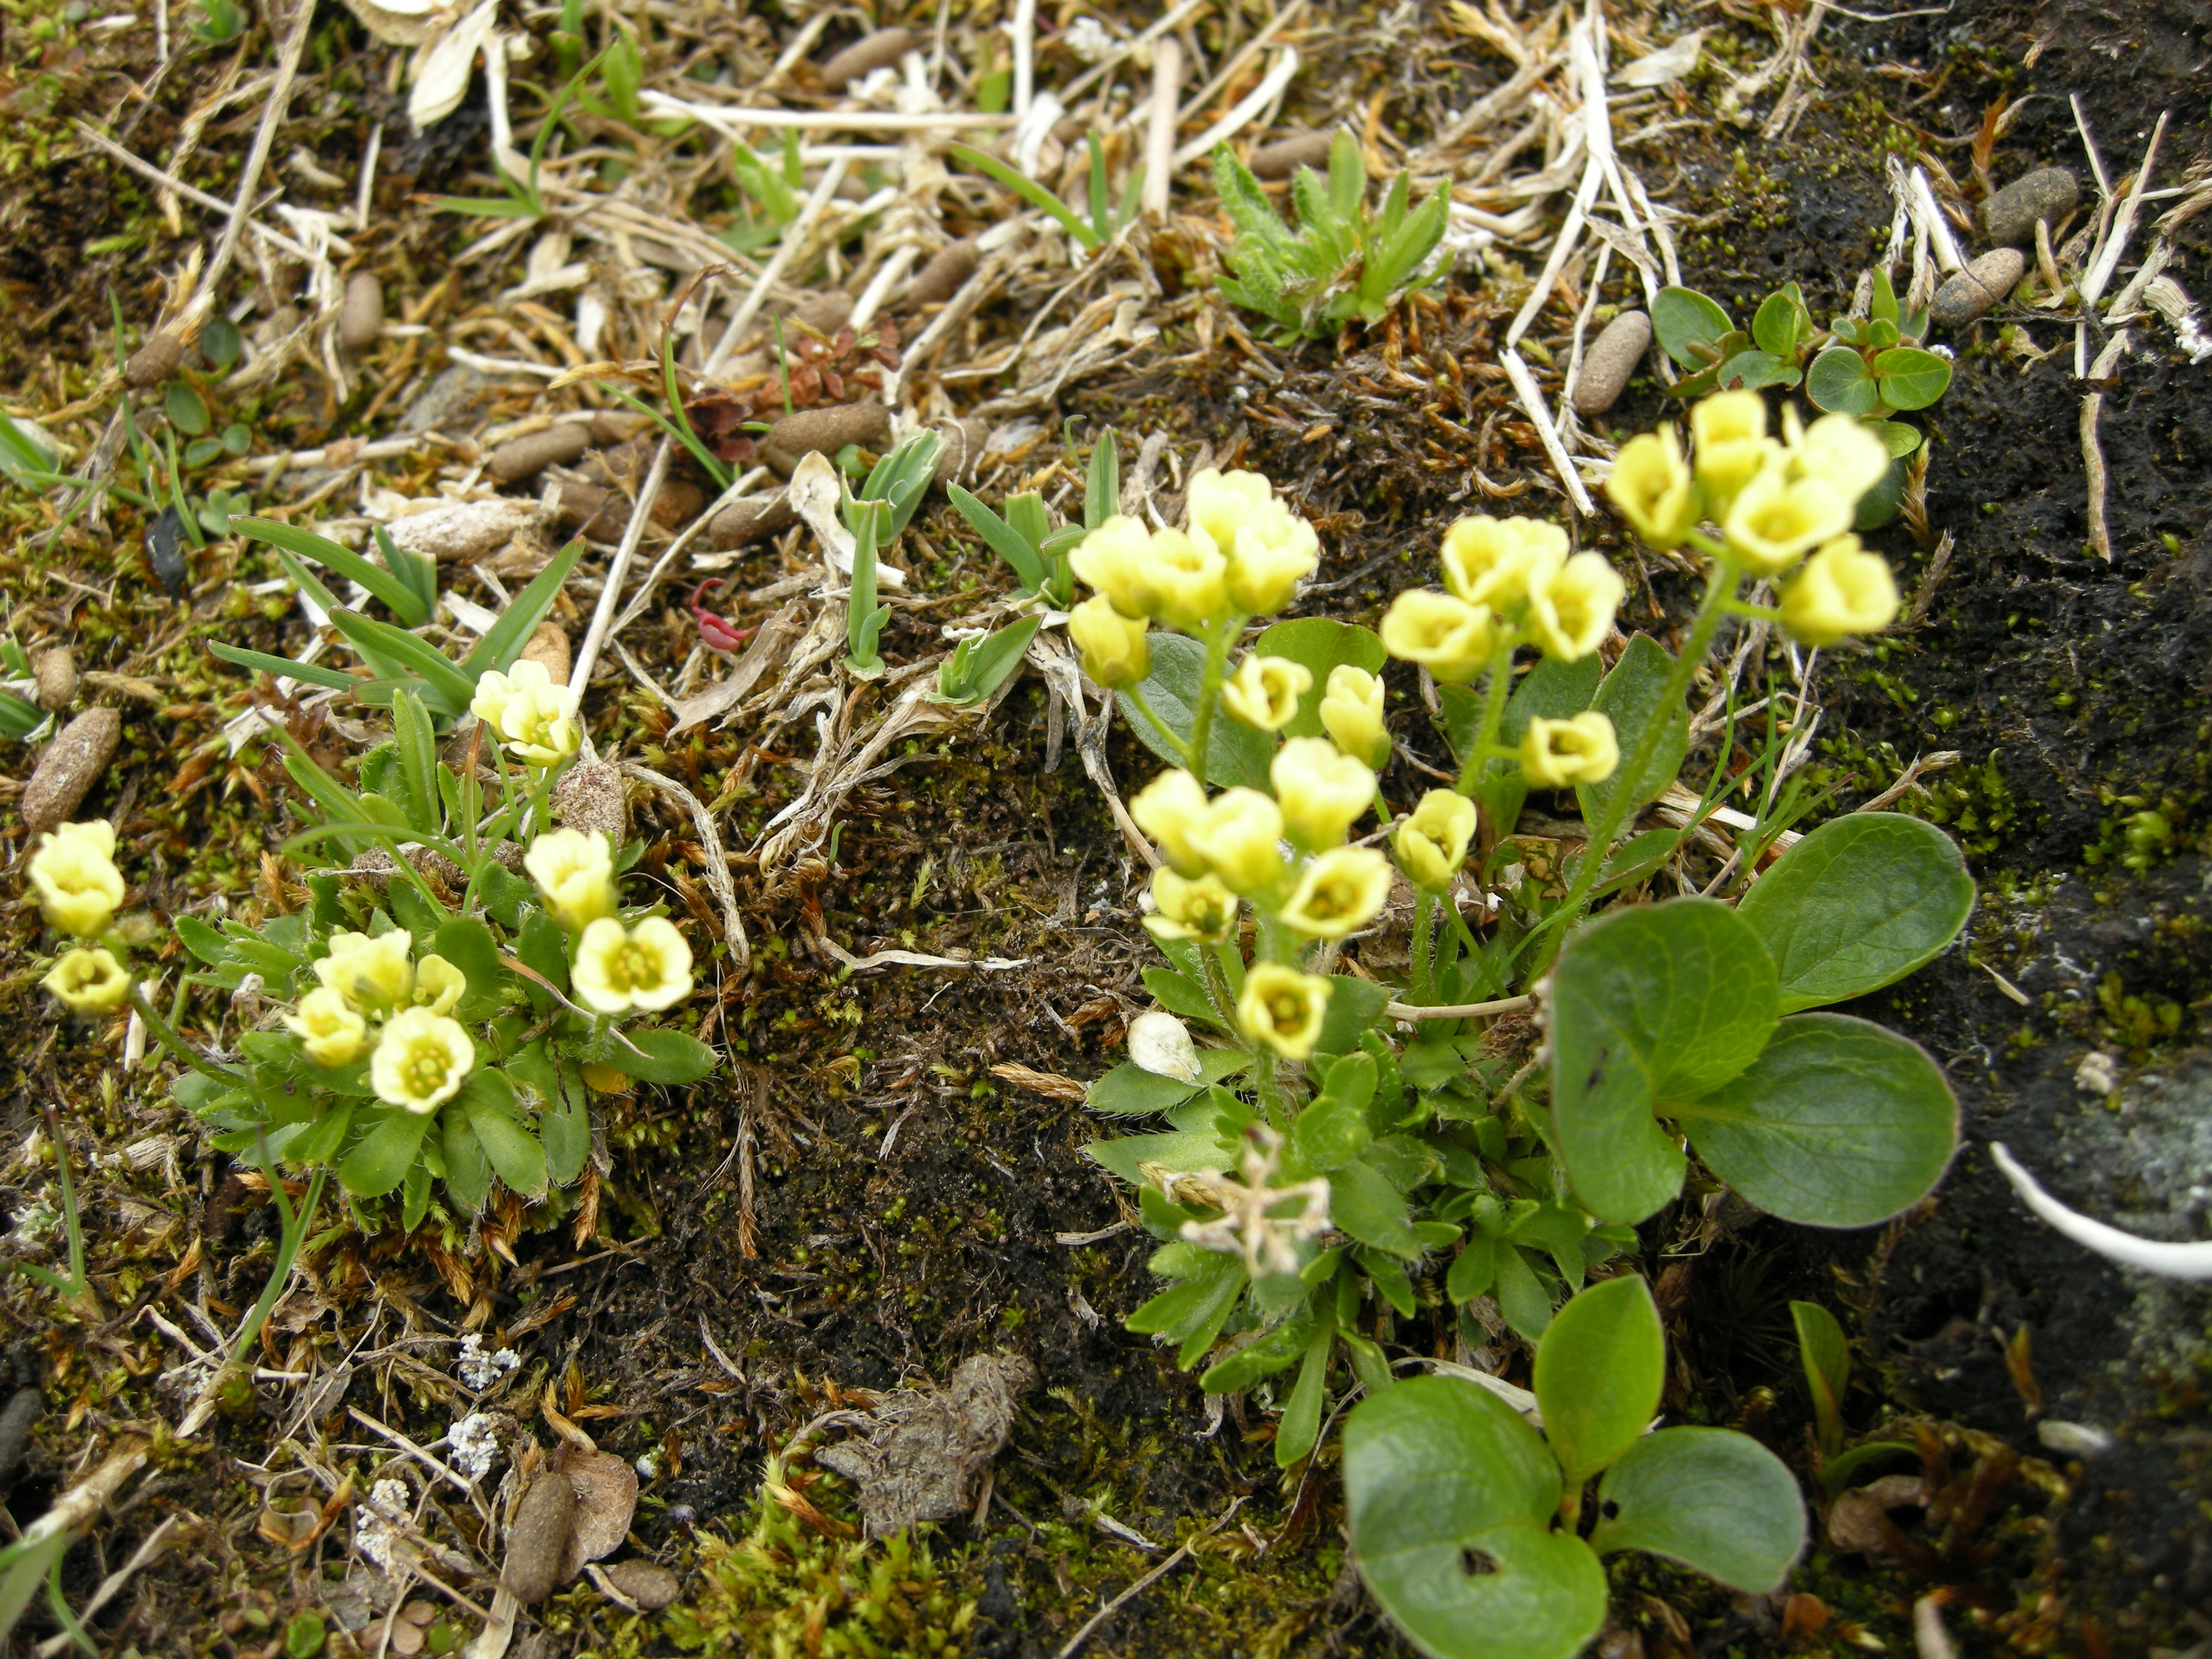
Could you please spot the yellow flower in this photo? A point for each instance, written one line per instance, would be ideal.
(1730, 430)
(89, 981)
(1202, 909)
(73, 871)
(648, 968)
(1322, 793)
(1571, 614)
(1283, 1008)
(1186, 581)
(537, 718)
(1452, 639)
(421, 1061)
(1112, 560)
(1265, 692)
(1269, 549)
(438, 984)
(1115, 652)
(1842, 591)
(373, 974)
(1238, 839)
(1652, 488)
(575, 873)
(1773, 519)
(1841, 452)
(1557, 753)
(1340, 891)
(1431, 841)
(1170, 810)
(1500, 562)
(1352, 715)
(330, 1033)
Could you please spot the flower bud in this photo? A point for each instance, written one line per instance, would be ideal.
(1112, 560)
(1431, 841)
(1774, 520)
(1452, 639)
(1652, 488)
(1283, 1008)
(1239, 838)
(1352, 715)
(1185, 580)
(1340, 892)
(1571, 613)
(1841, 452)
(1730, 431)
(373, 974)
(536, 718)
(1160, 1043)
(1322, 793)
(75, 874)
(1201, 909)
(1557, 753)
(1265, 692)
(1114, 652)
(421, 1061)
(575, 875)
(1170, 810)
(330, 1033)
(1842, 591)
(1498, 563)
(89, 981)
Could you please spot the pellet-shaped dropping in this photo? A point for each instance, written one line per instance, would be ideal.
(153, 362)
(1286, 155)
(830, 429)
(72, 763)
(941, 278)
(549, 647)
(869, 52)
(55, 670)
(537, 1539)
(1611, 361)
(1968, 294)
(361, 316)
(2049, 194)
(526, 457)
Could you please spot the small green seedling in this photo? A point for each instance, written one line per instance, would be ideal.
(621, 74)
(1827, 1357)
(1343, 262)
(773, 188)
(1107, 217)
(877, 515)
(1469, 1523)
(1025, 538)
(523, 200)
(676, 424)
(978, 667)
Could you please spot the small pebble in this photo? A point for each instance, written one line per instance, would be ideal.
(72, 763)
(1286, 155)
(1967, 295)
(550, 646)
(153, 362)
(16, 1420)
(361, 316)
(1611, 360)
(405, 1639)
(2009, 217)
(538, 1538)
(830, 429)
(55, 670)
(869, 52)
(941, 278)
(522, 457)
(749, 519)
(651, 1587)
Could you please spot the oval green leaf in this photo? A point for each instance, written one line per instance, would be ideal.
(1319, 644)
(383, 1155)
(1450, 1497)
(1858, 904)
(1682, 317)
(1631, 696)
(1840, 382)
(1752, 370)
(1910, 378)
(1716, 1501)
(1235, 754)
(1130, 1090)
(653, 1055)
(1599, 1370)
(1659, 1003)
(1781, 322)
(1838, 1124)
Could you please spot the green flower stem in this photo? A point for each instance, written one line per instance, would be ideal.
(167, 1036)
(1712, 610)
(1175, 745)
(291, 1236)
(1496, 689)
(1218, 638)
(1424, 962)
(1753, 613)
(1216, 986)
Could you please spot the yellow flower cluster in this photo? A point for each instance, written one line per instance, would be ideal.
(1242, 553)
(79, 890)
(1775, 500)
(1509, 579)
(535, 718)
(375, 998)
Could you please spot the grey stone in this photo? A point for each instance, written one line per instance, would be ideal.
(2009, 217)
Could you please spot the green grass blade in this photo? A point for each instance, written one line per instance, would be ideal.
(1031, 191)
(398, 593)
(305, 580)
(376, 639)
(262, 663)
(503, 640)
(1101, 208)
(1005, 541)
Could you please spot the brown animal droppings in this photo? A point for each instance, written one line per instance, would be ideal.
(651, 1587)
(2010, 216)
(550, 646)
(153, 362)
(749, 519)
(869, 52)
(360, 318)
(73, 763)
(525, 458)
(610, 427)
(922, 1452)
(830, 429)
(1286, 155)
(55, 670)
(1969, 294)
(1611, 361)
(538, 1539)
(962, 454)
(590, 797)
(941, 278)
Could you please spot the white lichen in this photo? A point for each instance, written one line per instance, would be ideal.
(382, 1523)
(477, 1369)
(472, 1447)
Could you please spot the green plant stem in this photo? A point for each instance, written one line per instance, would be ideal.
(1712, 610)
(166, 1035)
(291, 1236)
(1143, 706)
(1216, 986)
(1495, 691)
(1218, 638)
(75, 1284)
(1424, 964)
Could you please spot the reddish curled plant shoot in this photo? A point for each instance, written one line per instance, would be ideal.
(715, 632)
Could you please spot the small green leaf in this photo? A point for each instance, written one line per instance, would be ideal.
(1235, 754)
(1683, 318)
(1366, 1205)
(1839, 1123)
(1450, 1497)
(1631, 696)
(1899, 438)
(651, 1054)
(1526, 1300)
(1192, 1312)
(1130, 1090)
(1780, 322)
(1827, 1357)
(503, 640)
(1840, 382)
(1318, 645)
(1474, 1271)
(1261, 1358)
(1191, 1151)
(1330, 1131)
(1599, 1371)
(389, 586)
(1716, 1501)
(1299, 1427)
(1882, 303)
(1102, 482)
(1752, 370)
(468, 1172)
(494, 1113)
(1910, 378)
(186, 409)
(1858, 904)
(380, 1160)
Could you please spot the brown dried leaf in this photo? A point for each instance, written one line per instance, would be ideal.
(606, 1498)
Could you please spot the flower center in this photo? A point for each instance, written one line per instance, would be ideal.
(424, 1068)
(636, 967)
